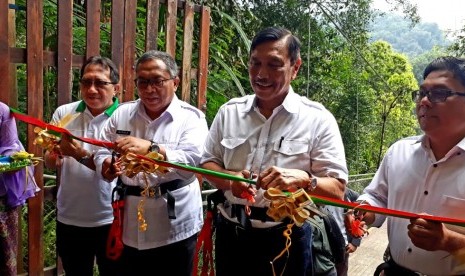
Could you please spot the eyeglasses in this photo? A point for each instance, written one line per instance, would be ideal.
(145, 83)
(99, 84)
(434, 96)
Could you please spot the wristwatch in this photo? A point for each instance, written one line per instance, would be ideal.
(154, 147)
(313, 182)
(85, 158)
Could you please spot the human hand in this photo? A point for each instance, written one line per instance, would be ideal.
(241, 189)
(70, 147)
(350, 248)
(355, 226)
(428, 235)
(110, 169)
(132, 144)
(283, 179)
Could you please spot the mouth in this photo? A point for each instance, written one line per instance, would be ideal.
(93, 98)
(263, 84)
(152, 99)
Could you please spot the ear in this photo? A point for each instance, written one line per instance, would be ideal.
(176, 82)
(117, 88)
(296, 67)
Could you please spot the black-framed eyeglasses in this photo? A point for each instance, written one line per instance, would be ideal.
(87, 83)
(142, 83)
(435, 96)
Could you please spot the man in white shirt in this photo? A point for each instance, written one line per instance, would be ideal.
(290, 142)
(424, 174)
(158, 122)
(84, 213)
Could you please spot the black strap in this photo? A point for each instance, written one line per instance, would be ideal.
(165, 190)
(391, 268)
(239, 212)
(214, 199)
(119, 190)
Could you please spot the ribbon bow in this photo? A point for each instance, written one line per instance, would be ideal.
(46, 140)
(287, 204)
(132, 164)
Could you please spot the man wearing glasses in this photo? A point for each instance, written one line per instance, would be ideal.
(158, 122)
(84, 213)
(425, 174)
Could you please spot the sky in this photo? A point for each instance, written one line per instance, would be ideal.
(448, 14)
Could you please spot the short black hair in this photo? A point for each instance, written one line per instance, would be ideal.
(106, 63)
(277, 33)
(451, 64)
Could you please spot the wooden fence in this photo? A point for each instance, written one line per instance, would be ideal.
(178, 15)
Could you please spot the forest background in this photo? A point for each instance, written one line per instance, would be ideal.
(361, 63)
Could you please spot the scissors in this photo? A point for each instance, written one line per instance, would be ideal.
(113, 160)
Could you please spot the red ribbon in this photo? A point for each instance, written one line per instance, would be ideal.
(384, 211)
(33, 121)
(115, 237)
(316, 199)
(205, 239)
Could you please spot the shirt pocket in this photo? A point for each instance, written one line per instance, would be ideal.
(232, 143)
(291, 147)
(236, 152)
(452, 207)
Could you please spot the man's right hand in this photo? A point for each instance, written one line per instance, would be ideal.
(110, 170)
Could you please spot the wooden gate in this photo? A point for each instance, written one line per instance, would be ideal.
(193, 20)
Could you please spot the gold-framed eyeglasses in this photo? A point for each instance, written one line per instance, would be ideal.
(435, 95)
(142, 83)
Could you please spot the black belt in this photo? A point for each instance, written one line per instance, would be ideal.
(257, 213)
(391, 268)
(160, 190)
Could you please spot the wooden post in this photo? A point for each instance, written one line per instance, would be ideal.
(35, 97)
(4, 52)
(203, 59)
(12, 43)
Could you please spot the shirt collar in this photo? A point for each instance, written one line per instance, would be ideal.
(82, 107)
(288, 103)
(426, 145)
(172, 109)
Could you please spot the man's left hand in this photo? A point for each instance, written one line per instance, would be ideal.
(428, 235)
(283, 179)
(132, 144)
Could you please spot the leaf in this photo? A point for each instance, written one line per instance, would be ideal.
(231, 73)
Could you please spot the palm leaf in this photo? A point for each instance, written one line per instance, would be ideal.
(231, 73)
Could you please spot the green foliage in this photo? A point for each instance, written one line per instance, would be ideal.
(399, 33)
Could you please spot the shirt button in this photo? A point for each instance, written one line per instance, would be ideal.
(409, 250)
(426, 192)
(435, 165)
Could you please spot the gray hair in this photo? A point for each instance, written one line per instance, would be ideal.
(163, 56)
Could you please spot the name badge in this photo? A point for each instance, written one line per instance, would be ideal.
(124, 132)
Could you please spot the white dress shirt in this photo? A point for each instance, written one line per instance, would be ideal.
(300, 134)
(181, 130)
(411, 179)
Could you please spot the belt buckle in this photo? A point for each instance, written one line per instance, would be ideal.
(153, 192)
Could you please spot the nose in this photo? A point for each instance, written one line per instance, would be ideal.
(262, 73)
(92, 88)
(424, 101)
